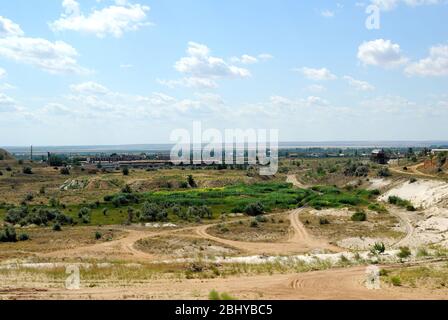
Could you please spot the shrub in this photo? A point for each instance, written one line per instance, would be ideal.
(396, 281)
(378, 248)
(24, 237)
(384, 172)
(254, 224)
(27, 170)
(359, 216)
(65, 171)
(413, 180)
(126, 189)
(324, 221)
(8, 234)
(254, 209)
(57, 227)
(261, 219)
(404, 253)
(151, 212)
(125, 171)
(215, 296)
(98, 235)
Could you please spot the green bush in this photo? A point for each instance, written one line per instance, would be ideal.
(8, 234)
(125, 171)
(378, 248)
(65, 171)
(24, 237)
(98, 235)
(396, 281)
(404, 253)
(57, 227)
(359, 216)
(254, 209)
(324, 221)
(27, 170)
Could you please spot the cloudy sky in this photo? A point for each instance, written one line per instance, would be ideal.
(130, 71)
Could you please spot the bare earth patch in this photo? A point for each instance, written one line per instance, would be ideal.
(183, 247)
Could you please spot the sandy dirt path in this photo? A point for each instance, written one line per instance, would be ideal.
(292, 178)
(299, 242)
(413, 171)
(345, 284)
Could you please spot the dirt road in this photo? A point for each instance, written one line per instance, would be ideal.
(292, 178)
(345, 284)
(299, 242)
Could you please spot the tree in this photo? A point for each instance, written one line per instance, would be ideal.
(151, 212)
(254, 209)
(125, 171)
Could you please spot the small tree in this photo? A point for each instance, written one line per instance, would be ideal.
(125, 171)
(65, 171)
(27, 170)
(254, 209)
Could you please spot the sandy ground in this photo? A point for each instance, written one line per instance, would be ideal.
(346, 284)
(430, 224)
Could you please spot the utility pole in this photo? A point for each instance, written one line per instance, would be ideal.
(31, 154)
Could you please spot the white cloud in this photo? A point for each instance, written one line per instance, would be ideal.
(247, 59)
(53, 57)
(359, 84)
(388, 5)
(2, 73)
(7, 104)
(89, 87)
(382, 53)
(114, 20)
(265, 56)
(327, 14)
(434, 65)
(315, 88)
(9, 28)
(200, 63)
(317, 74)
(190, 82)
(202, 70)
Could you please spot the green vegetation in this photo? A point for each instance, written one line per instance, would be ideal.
(359, 216)
(404, 253)
(215, 295)
(401, 203)
(378, 248)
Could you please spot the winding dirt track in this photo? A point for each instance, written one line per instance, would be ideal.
(292, 178)
(299, 242)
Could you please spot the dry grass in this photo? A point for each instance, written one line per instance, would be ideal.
(44, 240)
(273, 230)
(340, 227)
(184, 247)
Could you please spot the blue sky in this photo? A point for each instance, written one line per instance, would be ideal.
(117, 71)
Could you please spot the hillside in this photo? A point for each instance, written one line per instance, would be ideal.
(5, 155)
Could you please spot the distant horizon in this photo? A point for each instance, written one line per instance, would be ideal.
(282, 145)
